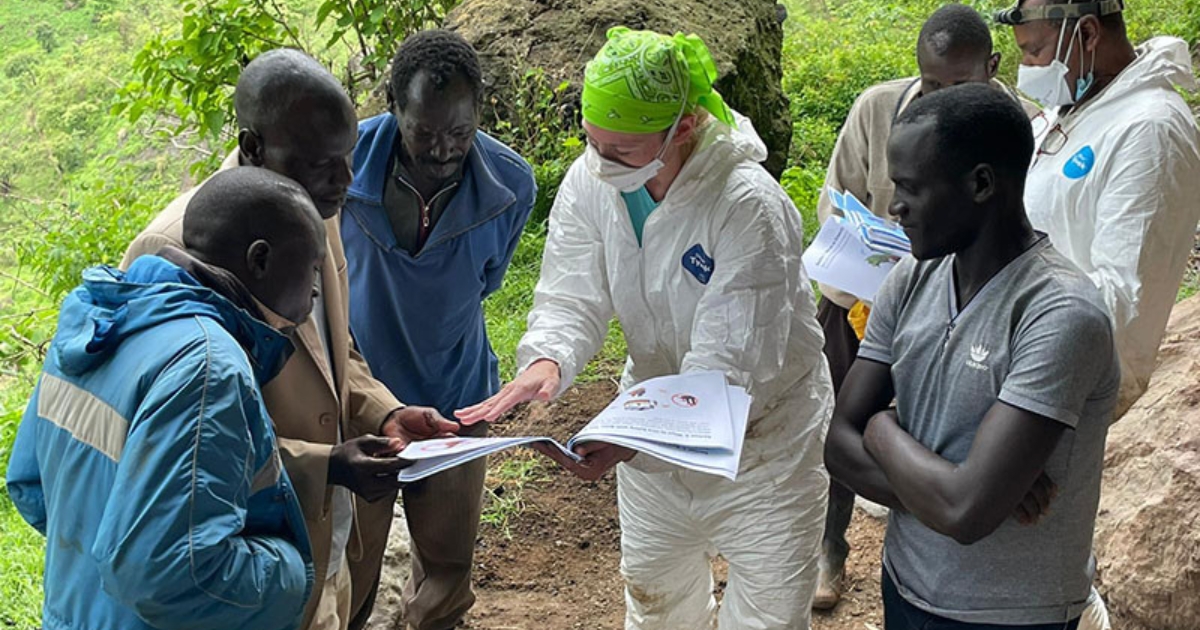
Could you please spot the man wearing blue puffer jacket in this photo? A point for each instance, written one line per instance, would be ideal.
(146, 456)
(430, 224)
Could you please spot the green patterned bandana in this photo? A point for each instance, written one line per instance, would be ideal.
(641, 82)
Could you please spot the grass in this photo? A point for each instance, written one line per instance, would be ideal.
(20, 569)
(504, 487)
(1190, 285)
(21, 563)
(506, 311)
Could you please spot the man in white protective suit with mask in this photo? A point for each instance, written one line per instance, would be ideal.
(669, 222)
(1115, 179)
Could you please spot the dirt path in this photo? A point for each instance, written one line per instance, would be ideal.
(556, 566)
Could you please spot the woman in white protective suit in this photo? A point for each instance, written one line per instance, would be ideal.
(669, 221)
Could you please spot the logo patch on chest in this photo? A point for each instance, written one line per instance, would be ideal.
(1080, 164)
(698, 263)
(979, 354)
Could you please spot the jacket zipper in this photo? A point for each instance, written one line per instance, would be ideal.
(424, 218)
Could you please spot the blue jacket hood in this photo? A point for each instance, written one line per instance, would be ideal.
(111, 305)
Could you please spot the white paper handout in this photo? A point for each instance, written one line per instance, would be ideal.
(856, 251)
(693, 420)
(839, 259)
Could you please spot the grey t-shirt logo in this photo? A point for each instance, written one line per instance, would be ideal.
(979, 354)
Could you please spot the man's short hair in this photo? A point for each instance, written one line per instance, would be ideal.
(975, 124)
(278, 79)
(238, 206)
(955, 28)
(441, 53)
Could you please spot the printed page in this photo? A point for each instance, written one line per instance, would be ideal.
(433, 456)
(839, 258)
(682, 410)
(723, 462)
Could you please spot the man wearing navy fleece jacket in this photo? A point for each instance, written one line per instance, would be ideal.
(429, 225)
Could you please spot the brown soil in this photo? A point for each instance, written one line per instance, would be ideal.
(556, 567)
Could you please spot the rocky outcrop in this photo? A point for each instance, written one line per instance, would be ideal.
(560, 36)
(1148, 527)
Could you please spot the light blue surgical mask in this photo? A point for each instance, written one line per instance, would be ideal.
(1048, 84)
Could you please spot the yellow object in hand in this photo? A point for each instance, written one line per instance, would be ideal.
(858, 318)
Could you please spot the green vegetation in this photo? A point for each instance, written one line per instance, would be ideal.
(105, 104)
(504, 488)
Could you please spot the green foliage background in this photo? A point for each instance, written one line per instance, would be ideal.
(106, 112)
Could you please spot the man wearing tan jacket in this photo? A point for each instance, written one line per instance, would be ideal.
(954, 47)
(294, 118)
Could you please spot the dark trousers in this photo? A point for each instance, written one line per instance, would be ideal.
(898, 614)
(442, 513)
(841, 348)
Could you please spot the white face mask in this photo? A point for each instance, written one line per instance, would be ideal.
(1048, 84)
(624, 178)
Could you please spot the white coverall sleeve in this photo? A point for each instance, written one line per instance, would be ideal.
(744, 318)
(572, 305)
(1145, 225)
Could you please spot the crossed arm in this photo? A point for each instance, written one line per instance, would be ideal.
(1002, 475)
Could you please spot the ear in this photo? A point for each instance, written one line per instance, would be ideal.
(981, 183)
(993, 65)
(258, 259)
(685, 129)
(251, 146)
(1090, 32)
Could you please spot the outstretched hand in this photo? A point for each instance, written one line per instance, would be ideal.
(539, 381)
(368, 466)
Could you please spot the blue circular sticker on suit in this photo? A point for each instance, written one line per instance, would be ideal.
(1080, 164)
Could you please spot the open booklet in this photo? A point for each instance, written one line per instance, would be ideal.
(694, 420)
(856, 251)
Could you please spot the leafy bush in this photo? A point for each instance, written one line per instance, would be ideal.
(803, 184)
(114, 210)
(543, 129)
(191, 74)
(374, 28)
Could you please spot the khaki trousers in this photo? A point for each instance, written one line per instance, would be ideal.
(333, 610)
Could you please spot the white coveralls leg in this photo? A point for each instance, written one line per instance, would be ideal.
(767, 527)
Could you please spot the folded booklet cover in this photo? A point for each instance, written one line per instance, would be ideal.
(692, 420)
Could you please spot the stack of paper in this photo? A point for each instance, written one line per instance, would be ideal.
(695, 421)
(881, 235)
(856, 251)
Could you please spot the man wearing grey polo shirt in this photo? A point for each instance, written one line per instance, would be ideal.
(1000, 357)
